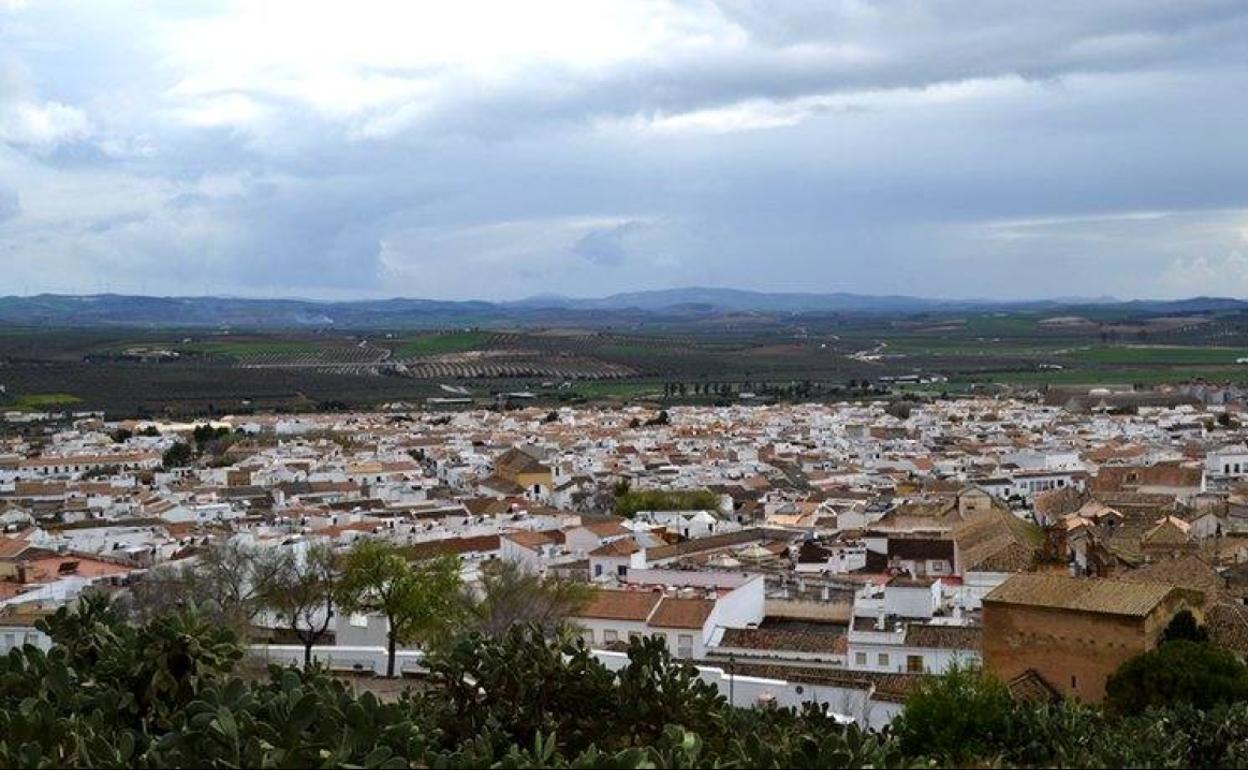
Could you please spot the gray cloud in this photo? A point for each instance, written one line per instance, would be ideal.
(947, 148)
(606, 246)
(10, 205)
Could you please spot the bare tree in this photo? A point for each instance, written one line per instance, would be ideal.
(226, 582)
(509, 594)
(301, 594)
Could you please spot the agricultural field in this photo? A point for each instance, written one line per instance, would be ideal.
(198, 371)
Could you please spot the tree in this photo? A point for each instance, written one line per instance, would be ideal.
(1181, 671)
(634, 500)
(959, 715)
(510, 596)
(1184, 626)
(301, 594)
(225, 583)
(179, 455)
(419, 600)
(662, 418)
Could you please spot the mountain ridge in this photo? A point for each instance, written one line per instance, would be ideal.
(698, 302)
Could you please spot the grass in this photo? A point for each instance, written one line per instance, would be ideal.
(1160, 355)
(607, 388)
(36, 402)
(437, 344)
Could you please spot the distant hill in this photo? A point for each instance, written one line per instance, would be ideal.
(634, 307)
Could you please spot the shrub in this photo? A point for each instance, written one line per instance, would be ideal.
(1179, 672)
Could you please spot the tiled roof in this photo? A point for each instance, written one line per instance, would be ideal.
(620, 605)
(625, 546)
(535, 540)
(774, 639)
(1227, 624)
(1189, 572)
(675, 612)
(1114, 597)
(997, 542)
(684, 548)
(944, 637)
(452, 545)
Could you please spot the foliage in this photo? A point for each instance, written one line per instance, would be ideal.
(1196, 673)
(179, 455)
(1184, 626)
(510, 595)
(418, 599)
(163, 694)
(633, 500)
(227, 583)
(957, 716)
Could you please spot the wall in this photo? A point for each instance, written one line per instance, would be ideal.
(849, 703)
(1076, 652)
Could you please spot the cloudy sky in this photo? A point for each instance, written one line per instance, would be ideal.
(502, 149)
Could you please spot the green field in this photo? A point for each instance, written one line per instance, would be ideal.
(37, 402)
(438, 344)
(1160, 355)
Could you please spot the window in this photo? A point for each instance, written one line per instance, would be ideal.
(684, 646)
(883, 660)
(610, 636)
(588, 635)
(621, 570)
(358, 620)
(914, 664)
(634, 636)
(860, 659)
(597, 570)
(1074, 682)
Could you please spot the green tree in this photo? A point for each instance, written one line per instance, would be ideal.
(634, 500)
(179, 455)
(1197, 673)
(1184, 626)
(419, 600)
(957, 716)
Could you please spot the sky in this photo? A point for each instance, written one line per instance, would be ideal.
(496, 150)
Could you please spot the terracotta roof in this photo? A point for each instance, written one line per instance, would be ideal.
(620, 605)
(11, 547)
(607, 528)
(675, 612)
(516, 460)
(625, 546)
(535, 540)
(1112, 597)
(452, 545)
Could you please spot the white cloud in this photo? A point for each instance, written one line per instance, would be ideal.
(42, 126)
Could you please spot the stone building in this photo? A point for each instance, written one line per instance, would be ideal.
(1074, 633)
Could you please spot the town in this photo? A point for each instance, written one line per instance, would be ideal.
(832, 553)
